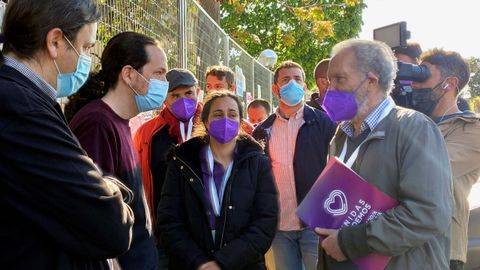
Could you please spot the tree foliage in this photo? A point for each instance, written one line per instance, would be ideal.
(300, 30)
(474, 83)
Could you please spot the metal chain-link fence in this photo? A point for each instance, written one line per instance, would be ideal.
(155, 18)
(190, 37)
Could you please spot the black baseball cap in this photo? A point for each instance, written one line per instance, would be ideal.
(177, 77)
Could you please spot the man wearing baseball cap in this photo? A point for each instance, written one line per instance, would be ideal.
(174, 125)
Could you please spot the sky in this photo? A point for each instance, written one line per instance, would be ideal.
(448, 24)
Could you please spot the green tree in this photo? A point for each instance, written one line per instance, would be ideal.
(302, 31)
(474, 83)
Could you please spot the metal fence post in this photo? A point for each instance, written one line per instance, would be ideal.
(182, 33)
(227, 50)
(254, 85)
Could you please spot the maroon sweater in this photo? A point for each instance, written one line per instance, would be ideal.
(106, 138)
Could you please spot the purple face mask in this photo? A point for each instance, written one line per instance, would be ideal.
(341, 105)
(404, 82)
(223, 130)
(184, 108)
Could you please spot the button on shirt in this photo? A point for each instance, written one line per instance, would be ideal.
(282, 150)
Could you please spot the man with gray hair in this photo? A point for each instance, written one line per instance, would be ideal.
(399, 151)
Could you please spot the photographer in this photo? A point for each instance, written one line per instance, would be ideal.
(409, 57)
(437, 98)
(402, 91)
(410, 53)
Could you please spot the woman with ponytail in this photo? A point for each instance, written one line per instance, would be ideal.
(131, 80)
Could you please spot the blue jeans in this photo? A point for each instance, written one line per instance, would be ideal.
(295, 250)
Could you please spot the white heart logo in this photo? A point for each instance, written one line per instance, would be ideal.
(334, 196)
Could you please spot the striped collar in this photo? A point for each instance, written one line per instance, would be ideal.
(371, 121)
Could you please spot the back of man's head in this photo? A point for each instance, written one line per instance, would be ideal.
(449, 63)
(412, 50)
(222, 72)
(371, 56)
(287, 64)
(321, 69)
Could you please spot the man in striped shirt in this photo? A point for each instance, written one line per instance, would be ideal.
(296, 139)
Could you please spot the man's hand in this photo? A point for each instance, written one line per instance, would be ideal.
(330, 244)
(211, 265)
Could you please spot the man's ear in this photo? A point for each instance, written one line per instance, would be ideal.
(275, 90)
(54, 42)
(372, 79)
(450, 83)
(126, 74)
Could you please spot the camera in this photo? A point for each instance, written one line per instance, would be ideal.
(395, 36)
(411, 72)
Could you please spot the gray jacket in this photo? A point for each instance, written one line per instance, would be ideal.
(404, 156)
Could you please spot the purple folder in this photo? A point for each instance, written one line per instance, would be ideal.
(340, 197)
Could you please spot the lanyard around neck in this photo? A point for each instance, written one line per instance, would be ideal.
(186, 137)
(215, 197)
(354, 155)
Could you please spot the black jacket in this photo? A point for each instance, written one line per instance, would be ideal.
(311, 147)
(57, 211)
(248, 220)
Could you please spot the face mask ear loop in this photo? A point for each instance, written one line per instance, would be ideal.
(129, 85)
(56, 66)
(71, 45)
(141, 75)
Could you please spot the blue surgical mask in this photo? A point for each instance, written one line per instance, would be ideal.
(68, 84)
(291, 93)
(156, 95)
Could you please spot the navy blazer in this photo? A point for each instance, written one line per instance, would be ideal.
(57, 210)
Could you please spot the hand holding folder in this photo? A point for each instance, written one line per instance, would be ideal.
(339, 198)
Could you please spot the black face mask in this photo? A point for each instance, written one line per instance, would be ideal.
(423, 100)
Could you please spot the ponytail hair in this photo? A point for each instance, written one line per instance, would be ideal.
(127, 48)
(93, 89)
